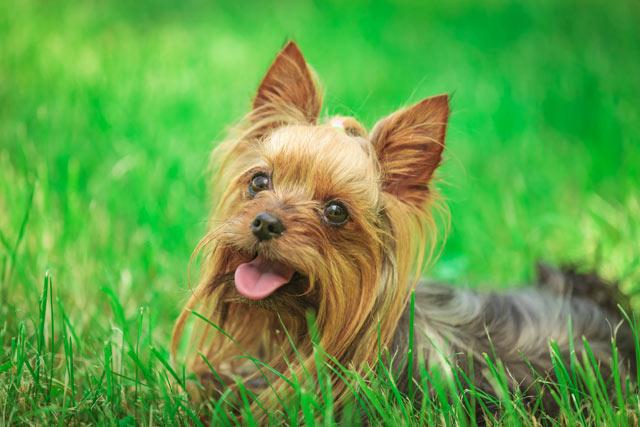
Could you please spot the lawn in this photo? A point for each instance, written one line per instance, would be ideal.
(108, 113)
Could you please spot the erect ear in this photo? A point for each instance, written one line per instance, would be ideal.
(409, 146)
(288, 90)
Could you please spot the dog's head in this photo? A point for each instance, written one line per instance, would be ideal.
(320, 215)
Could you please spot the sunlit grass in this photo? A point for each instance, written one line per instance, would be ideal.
(129, 379)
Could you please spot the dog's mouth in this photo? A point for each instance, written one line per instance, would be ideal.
(261, 277)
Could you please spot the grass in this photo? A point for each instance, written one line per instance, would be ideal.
(108, 111)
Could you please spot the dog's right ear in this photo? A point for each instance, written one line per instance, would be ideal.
(409, 146)
(288, 93)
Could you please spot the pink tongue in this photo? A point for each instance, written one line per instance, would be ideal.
(260, 278)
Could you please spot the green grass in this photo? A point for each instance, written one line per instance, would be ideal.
(108, 111)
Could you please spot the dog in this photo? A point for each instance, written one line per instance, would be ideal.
(327, 218)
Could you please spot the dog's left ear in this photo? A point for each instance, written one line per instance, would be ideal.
(288, 90)
(409, 146)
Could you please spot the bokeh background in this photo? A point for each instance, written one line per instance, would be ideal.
(109, 110)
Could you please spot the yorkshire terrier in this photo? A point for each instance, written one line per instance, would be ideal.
(328, 218)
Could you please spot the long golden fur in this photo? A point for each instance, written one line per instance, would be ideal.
(357, 277)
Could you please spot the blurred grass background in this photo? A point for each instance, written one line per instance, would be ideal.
(109, 110)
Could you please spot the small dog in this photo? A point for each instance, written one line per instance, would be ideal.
(329, 218)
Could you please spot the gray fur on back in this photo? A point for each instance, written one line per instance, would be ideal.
(457, 326)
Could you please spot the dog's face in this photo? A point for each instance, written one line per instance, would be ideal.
(312, 210)
(304, 209)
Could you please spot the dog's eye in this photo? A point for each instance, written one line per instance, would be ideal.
(259, 182)
(335, 213)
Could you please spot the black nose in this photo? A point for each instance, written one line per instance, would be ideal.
(266, 226)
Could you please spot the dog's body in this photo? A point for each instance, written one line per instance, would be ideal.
(457, 327)
(330, 219)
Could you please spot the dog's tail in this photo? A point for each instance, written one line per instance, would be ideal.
(569, 280)
(572, 282)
